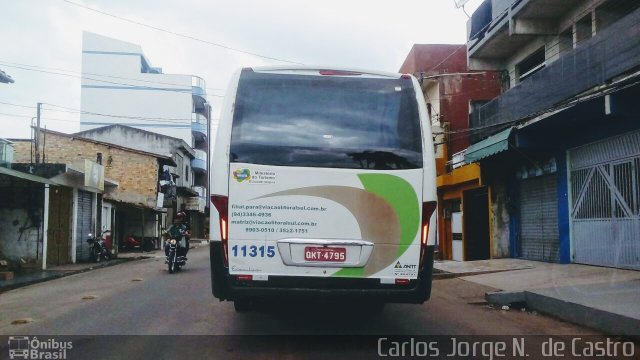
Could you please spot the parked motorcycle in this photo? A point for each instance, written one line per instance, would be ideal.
(98, 249)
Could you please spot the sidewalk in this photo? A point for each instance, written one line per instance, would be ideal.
(602, 298)
(35, 276)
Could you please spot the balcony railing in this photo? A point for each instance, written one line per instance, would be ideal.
(457, 160)
(199, 126)
(198, 86)
(612, 52)
(199, 164)
(202, 192)
(195, 204)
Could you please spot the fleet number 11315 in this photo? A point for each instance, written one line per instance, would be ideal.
(253, 251)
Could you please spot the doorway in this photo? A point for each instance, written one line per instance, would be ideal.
(476, 224)
(59, 230)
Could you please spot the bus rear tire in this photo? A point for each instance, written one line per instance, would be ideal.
(374, 307)
(242, 305)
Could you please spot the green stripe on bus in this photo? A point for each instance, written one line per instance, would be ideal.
(403, 199)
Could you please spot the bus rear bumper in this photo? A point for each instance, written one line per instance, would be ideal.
(227, 287)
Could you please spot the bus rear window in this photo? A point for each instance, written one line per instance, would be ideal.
(326, 121)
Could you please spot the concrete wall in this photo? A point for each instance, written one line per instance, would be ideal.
(136, 174)
(456, 92)
(499, 221)
(435, 58)
(164, 101)
(21, 217)
(499, 6)
(449, 88)
(551, 43)
(149, 142)
(19, 237)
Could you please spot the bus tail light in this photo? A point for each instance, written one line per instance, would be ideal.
(244, 277)
(222, 205)
(428, 208)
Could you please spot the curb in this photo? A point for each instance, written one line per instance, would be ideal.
(502, 298)
(441, 275)
(601, 320)
(605, 321)
(66, 273)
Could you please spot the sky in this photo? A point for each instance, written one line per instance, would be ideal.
(46, 35)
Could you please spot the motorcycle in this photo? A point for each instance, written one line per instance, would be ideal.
(98, 249)
(176, 258)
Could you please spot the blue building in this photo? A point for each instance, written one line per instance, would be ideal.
(560, 147)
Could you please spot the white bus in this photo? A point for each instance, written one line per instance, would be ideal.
(323, 184)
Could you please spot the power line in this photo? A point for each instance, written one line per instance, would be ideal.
(45, 118)
(17, 105)
(65, 109)
(102, 81)
(180, 34)
(83, 112)
(8, 63)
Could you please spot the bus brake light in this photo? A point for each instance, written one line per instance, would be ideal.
(222, 205)
(428, 209)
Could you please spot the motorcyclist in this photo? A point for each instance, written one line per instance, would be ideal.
(181, 231)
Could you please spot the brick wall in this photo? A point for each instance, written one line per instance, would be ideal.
(21, 151)
(136, 174)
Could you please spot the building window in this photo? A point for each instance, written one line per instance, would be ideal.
(474, 107)
(99, 158)
(565, 40)
(531, 65)
(584, 30)
(505, 81)
(186, 173)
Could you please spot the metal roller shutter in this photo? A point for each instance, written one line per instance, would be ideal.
(539, 237)
(83, 227)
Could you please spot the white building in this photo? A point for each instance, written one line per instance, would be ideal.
(119, 86)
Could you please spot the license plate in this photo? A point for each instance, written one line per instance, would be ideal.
(328, 254)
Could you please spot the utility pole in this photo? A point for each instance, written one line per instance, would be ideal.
(37, 136)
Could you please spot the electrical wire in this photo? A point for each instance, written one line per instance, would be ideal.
(105, 81)
(181, 35)
(9, 63)
(64, 109)
(42, 118)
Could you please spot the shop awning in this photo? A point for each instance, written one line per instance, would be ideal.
(490, 146)
(25, 176)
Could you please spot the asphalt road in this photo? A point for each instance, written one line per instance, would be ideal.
(142, 298)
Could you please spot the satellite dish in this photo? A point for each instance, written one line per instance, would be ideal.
(460, 3)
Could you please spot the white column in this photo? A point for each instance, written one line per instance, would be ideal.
(94, 215)
(45, 227)
(74, 226)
